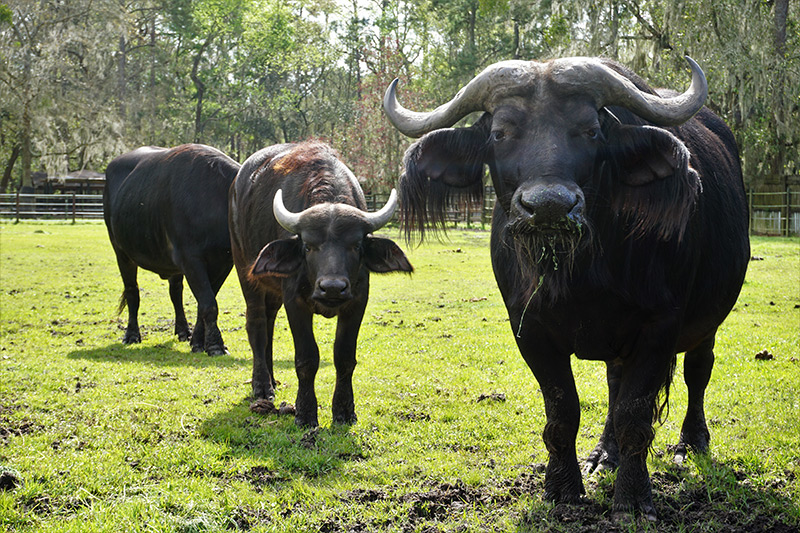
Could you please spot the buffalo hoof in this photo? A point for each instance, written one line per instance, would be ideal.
(627, 515)
(215, 351)
(345, 419)
(183, 335)
(306, 420)
(132, 338)
(601, 460)
(263, 392)
(696, 441)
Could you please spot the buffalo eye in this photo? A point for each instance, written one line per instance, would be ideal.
(594, 134)
(497, 135)
(307, 248)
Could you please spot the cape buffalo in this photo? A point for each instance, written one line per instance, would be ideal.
(619, 234)
(167, 211)
(301, 238)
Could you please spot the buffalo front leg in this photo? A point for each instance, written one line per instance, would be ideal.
(344, 358)
(697, 366)
(552, 370)
(176, 296)
(605, 456)
(306, 360)
(643, 376)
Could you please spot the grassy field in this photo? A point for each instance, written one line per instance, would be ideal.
(97, 436)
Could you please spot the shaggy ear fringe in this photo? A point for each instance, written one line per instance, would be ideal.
(662, 207)
(443, 166)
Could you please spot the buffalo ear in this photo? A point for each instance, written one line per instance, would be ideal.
(443, 162)
(656, 187)
(383, 255)
(645, 154)
(279, 258)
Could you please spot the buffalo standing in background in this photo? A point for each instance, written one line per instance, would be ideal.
(167, 211)
(301, 238)
(619, 234)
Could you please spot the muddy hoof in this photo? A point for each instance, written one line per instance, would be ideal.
(286, 409)
(263, 407)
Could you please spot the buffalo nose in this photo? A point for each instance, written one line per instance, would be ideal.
(334, 288)
(550, 205)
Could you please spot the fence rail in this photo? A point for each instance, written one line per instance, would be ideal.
(771, 213)
(51, 206)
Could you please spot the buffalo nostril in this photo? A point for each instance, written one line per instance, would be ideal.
(549, 205)
(333, 288)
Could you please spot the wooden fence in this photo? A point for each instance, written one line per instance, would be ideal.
(51, 206)
(771, 212)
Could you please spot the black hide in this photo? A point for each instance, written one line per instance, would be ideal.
(166, 211)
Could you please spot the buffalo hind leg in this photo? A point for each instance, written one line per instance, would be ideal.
(176, 296)
(697, 366)
(130, 297)
(206, 335)
(605, 456)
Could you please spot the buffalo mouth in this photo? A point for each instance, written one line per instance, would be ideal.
(328, 307)
(547, 247)
(525, 227)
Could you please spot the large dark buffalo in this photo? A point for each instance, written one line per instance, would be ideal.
(167, 211)
(301, 237)
(619, 234)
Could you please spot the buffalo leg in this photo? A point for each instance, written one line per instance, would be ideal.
(552, 370)
(306, 361)
(176, 296)
(211, 338)
(605, 456)
(262, 308)
(344, 358)
(643, 375)
(697, 366)
(130, 297)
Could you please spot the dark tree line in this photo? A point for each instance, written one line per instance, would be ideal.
(82, 81)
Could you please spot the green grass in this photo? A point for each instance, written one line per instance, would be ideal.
(106, 437)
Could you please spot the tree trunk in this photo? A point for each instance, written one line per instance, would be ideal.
(200, 87)
(123, 59)
(778, 161)
(12, 158)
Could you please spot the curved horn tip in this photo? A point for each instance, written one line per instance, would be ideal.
(380, 218)
(283, 216)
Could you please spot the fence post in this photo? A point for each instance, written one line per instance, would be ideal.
(18, 205)
(788, 210)
(73, 207)
(750, 208)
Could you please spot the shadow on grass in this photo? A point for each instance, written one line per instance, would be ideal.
(717, 497)
(282, 450)
(163, 354)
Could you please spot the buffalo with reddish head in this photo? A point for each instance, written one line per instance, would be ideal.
(619, 234)
(166, 211)
(302, 238)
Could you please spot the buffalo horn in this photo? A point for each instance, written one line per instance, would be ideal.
(380, 218)
(285, 218)
(612, 88)
(587, 75)
(290, 221)
(471, 97)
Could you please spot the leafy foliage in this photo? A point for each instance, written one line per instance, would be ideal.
(82, 81)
